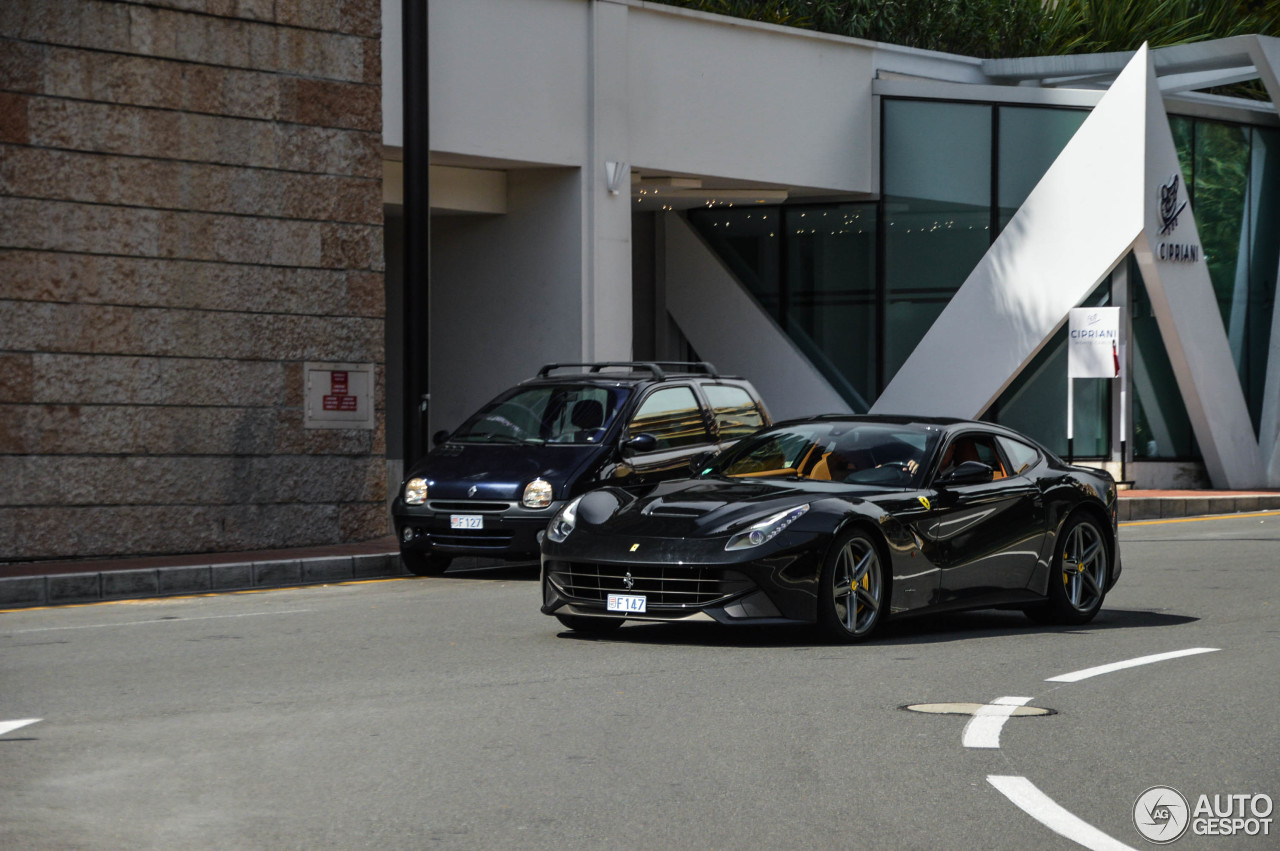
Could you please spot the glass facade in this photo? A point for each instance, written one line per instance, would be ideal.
(831, 295)
(1262, 250)
(857, 286)
(1161, 428)
(813, 269)
(937, 211)
(1232, 172)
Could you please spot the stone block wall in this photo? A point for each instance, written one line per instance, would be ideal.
(190, 209)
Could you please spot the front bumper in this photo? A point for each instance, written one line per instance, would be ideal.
(508, 530)
(780, 587)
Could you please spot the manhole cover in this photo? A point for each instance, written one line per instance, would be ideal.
(972, 709)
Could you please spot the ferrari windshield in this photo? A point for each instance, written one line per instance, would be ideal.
(550, 413)
(867, 453)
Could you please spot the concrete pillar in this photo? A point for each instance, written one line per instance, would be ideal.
(606, 286)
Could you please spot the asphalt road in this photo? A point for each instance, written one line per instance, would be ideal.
(449, 713)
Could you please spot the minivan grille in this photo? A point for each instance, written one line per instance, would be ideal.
(495, 538)
(467, 507)
(664, 585)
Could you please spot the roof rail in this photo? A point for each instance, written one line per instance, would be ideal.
(654, 368)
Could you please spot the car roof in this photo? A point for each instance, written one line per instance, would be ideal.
(629, 372)
(947, 424)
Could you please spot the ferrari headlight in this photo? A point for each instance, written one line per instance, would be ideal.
(415, 492)
(562, 524)
(537, 494)
(765, 530)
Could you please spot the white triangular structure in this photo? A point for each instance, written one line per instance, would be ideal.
(1075, 226)
(1187, 312)
(1098, 201)
(1265, 52)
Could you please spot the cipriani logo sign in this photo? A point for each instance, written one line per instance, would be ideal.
(1170, 210)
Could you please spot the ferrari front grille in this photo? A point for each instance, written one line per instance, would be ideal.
(682, 586)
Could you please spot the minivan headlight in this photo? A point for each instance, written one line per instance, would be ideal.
(537, 494)
(765, 530)
(415, 491)
(562, 524)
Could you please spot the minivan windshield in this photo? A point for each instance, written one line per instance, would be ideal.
(888, 454)
(549, 413)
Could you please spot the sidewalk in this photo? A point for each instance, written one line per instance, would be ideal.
(1160, 504)
(43, 583)
(26, 584)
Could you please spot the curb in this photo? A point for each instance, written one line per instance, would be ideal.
(1162, 507)
(99, 586)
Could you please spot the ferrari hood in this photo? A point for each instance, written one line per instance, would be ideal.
(700, 507)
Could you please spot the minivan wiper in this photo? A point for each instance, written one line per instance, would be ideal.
(491, 437)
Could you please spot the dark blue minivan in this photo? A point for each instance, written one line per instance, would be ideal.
(489, 488)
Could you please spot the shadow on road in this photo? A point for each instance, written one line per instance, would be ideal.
(933, 629)
(983, 624)
(526, 571)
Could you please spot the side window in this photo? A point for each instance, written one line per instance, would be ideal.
(972, 448)
(1021, 456)
(735, 412)
(673, 416)
(581, 415)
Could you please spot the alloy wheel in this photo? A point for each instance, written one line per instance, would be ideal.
(857, 586)
(1084, 566)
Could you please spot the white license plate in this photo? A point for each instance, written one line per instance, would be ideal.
(466, 521)
(626, 603)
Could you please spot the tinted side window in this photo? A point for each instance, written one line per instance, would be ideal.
(972, 448)
(672, 416)
(734, 410)
(1021, 456)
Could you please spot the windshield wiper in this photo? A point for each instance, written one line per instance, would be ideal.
(490, 437)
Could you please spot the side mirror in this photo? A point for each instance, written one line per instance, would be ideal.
(968, 473)
(643, 442)
(439, 437)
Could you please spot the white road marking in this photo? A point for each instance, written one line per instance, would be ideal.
(10, 726)
(159, 620)
(1048, 812)
(1077, 676)
(983, 729)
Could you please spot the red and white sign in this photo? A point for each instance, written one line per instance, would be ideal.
(339, 395)
(341, 403)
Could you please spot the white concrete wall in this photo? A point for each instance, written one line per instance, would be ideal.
(712, 96)
(510, 79)
(561, 82)
(499, 303)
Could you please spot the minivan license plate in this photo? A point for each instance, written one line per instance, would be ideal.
(626, 603)
(466, 521)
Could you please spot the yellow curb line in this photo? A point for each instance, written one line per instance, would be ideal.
(170, 597)
(1198, 519)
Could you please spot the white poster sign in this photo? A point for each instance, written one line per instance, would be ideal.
(1093, 342)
